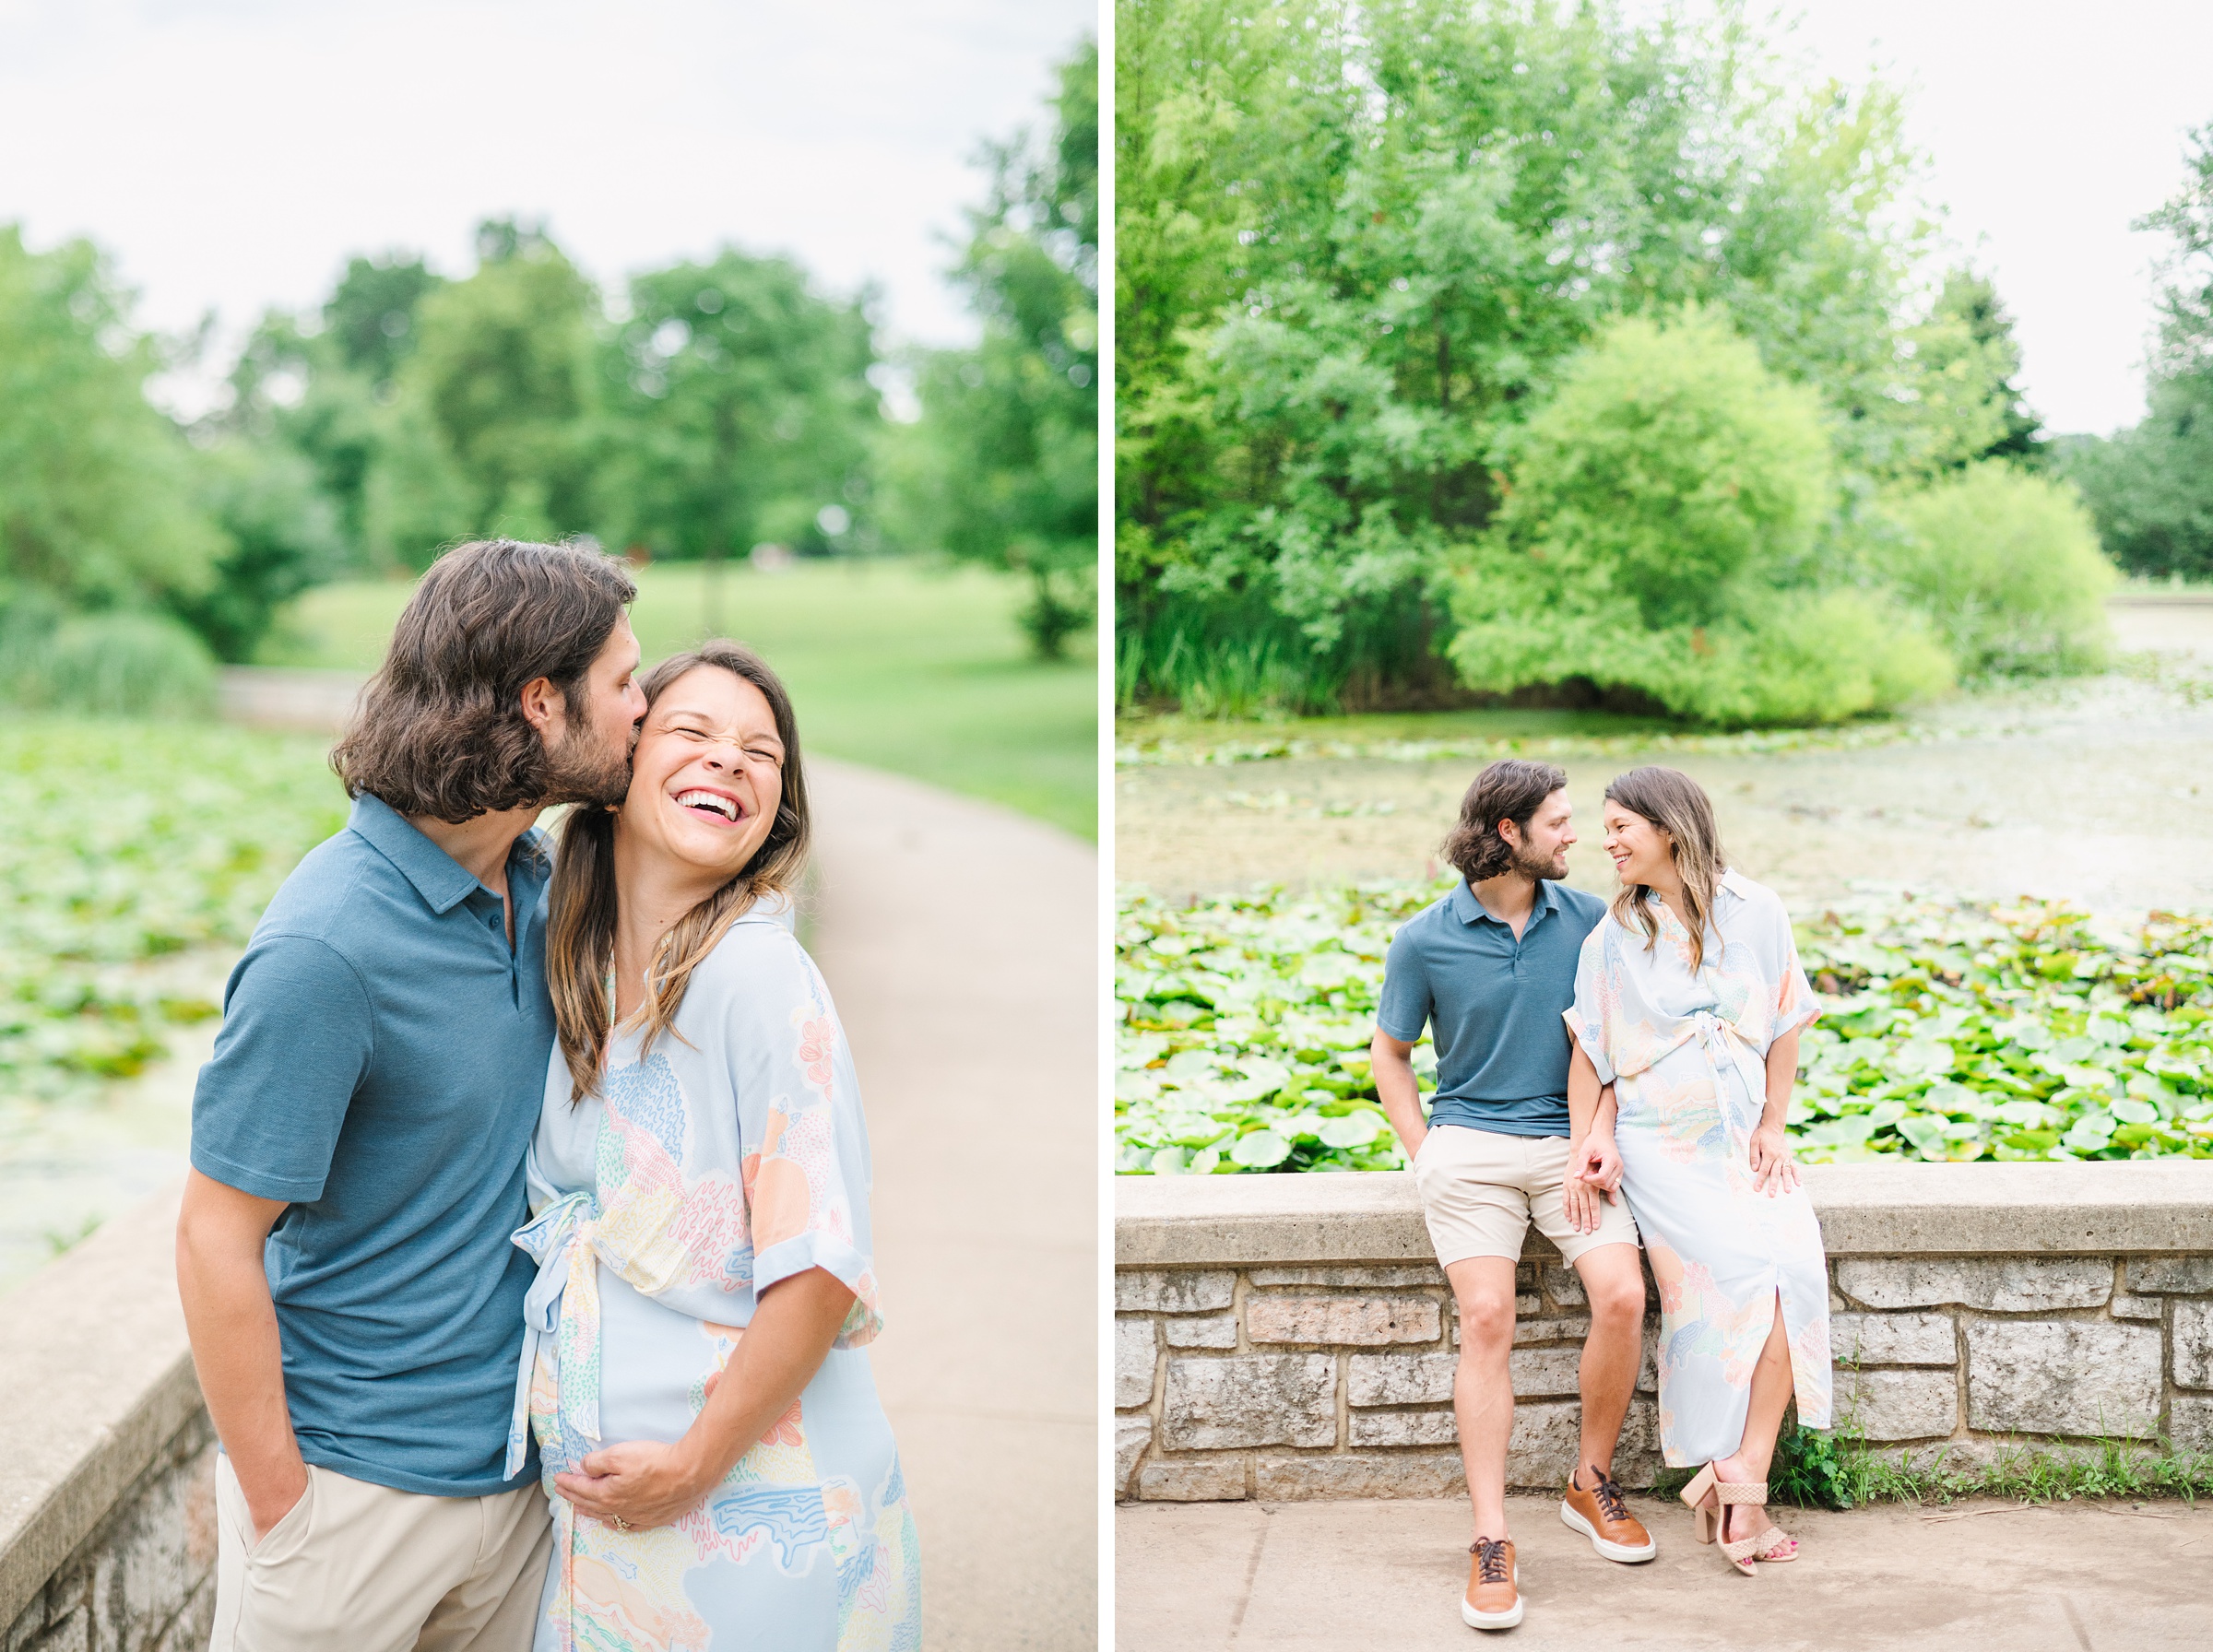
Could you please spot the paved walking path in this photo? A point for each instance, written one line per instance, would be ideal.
(960, 941)
(2072, 1577)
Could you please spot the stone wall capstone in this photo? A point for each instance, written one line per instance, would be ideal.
(107, 1492)
(1278, 1337)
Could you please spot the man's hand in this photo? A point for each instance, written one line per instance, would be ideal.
(1773, 1169)
(270, 1501)
(638, 1483)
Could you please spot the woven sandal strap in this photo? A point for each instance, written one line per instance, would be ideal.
(1743, 1549)
(1753, 1493)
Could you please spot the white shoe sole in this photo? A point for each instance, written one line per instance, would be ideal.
(1493, 1620)
(1620, 1551)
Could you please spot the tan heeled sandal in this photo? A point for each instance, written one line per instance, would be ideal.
(1772, 1539)
(1706, 1518)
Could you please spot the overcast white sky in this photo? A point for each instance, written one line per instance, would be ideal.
(232, 153)
(2049, 127)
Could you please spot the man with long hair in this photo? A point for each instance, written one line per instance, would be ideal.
(1490, 969)
(354, 1303)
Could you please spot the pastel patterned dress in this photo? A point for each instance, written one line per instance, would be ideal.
(728, 1157)
(1685, 1053)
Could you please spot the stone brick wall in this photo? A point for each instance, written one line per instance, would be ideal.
(1320, 1381)
(144, 1581)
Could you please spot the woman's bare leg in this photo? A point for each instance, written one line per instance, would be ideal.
(1772, 1385)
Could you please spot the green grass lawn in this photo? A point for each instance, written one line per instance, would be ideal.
(916, 669)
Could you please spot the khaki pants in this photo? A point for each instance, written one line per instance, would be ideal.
(1480, 1190)
(356, 1567)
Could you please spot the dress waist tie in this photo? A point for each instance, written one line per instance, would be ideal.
(563, 1303)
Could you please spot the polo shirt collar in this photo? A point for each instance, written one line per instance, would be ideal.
(1469, 910)
(442, 882)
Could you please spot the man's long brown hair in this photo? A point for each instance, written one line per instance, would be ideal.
(440, 731)
(583, 902)
(1513, 788)
(1678, 806)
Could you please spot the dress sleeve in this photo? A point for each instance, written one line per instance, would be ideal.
(1586, 1018)
(806, 1166)
(1795, 1005)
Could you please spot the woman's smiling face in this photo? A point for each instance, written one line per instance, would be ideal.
(1641, 852)
(708, 774)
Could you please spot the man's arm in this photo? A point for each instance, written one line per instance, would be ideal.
(1396, 1089)
(232, 1324)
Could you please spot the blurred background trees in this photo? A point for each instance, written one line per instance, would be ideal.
(1417, 306)
(2151, 485)
(703, 409)
(1003, 468)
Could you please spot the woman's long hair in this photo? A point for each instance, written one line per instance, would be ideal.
(1678, 806)
(583, 903)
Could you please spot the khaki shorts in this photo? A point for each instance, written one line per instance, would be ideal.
(356, 1567)
(1480, 1190)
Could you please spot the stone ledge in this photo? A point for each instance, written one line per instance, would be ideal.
(96, 1381)
(2138, 1206)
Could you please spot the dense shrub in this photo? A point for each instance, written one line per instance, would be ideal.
(283, 537)
(116, 664)
(1662, 533)
(2007, 565)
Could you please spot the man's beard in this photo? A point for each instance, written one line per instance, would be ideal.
(1529, 863)
(584, 770)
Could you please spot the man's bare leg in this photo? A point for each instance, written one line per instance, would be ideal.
(1483, 1388)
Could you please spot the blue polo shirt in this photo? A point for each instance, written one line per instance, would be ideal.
(381, 1065)
(1493, 1004)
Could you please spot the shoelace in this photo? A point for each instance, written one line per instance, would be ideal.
(1490, 1559)
(1610, 1503)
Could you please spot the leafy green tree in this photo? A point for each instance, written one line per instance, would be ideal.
(1994, 358)
(502, 367)
(371, 316)
(1003, 468)
(98, 500)
(738, 409)
(1661, 535)
(2150, 488)
(1358, 246)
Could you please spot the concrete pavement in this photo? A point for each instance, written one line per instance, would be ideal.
(962, 944)
(2070, 1577)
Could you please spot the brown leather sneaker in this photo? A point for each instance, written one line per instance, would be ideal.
(1602, 1515)
(1492, 1602)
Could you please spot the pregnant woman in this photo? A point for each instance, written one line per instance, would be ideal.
(1689, 1000)
(720, 1471)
